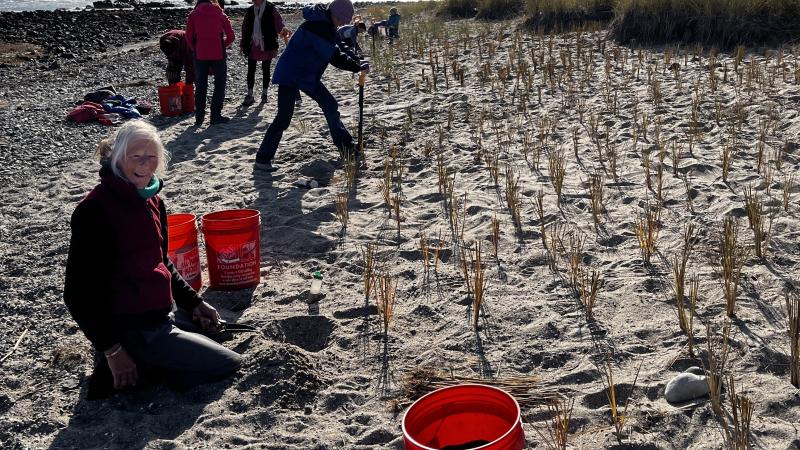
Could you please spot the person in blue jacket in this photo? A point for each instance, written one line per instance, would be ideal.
(311, 48)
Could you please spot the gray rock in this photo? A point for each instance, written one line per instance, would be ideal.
(686, 386)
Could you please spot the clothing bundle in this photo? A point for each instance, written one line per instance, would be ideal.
(108, 108)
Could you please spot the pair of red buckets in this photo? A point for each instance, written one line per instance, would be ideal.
(233, 248)
(176, 99)
(466, 416)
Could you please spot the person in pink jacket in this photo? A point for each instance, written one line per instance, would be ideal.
(209, 33)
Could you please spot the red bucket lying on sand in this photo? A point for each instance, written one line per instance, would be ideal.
(170, 98)
(233, 248)
(182, 249)
(467, 416)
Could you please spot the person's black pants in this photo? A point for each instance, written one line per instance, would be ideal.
(251, 73)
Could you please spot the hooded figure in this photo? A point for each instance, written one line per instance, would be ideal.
(300, 67)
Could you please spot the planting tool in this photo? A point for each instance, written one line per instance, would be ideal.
(236, 327)
(362, 76)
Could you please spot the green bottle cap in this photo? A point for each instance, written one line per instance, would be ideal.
(318, 275)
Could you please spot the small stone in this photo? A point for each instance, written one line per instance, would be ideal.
(686, 386)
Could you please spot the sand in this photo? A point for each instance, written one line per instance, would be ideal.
(320, 376)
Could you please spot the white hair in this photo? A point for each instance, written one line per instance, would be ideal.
(116, 147)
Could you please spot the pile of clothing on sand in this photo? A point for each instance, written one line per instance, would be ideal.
(108, 107)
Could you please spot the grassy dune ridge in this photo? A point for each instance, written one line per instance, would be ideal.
(722, 23)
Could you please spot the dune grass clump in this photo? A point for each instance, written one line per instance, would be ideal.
(458, 9)
(722, 23)
(500, 9)
(565, 15)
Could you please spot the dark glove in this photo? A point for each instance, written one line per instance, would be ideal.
(365, 66)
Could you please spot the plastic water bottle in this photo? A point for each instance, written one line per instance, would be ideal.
(316, 285)
(309, 183)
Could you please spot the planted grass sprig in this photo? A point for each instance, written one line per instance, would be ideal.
(718, 349)
(741, 416)
(478, 286)
(590, 285)
(558, 171)
(513, 197)
(387, 290)
(679, 274)
(368, 254)
(646, 225)
(558, 426)
(618, 418)
(732, 257)
(755, 214)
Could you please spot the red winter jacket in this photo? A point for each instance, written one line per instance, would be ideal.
(205, 28)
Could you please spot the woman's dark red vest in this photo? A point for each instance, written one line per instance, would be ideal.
(140, 282)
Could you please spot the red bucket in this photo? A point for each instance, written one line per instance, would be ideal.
(170, 98)
(187, 98)
(471, 416)
(182, 249)
(233, 248)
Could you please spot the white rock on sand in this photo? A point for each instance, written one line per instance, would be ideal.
(686, 386)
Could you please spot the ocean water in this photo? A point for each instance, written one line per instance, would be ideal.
(48, 5)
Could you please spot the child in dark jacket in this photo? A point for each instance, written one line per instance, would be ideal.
(261, 27)
(349, 34)
(179, 56)
(300, 67)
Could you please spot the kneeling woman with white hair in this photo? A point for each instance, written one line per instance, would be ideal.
(121, 288)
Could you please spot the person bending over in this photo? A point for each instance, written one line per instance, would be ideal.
(120, 286)
(206, 25)
(349, 35)
(300, 67)
(179, 56)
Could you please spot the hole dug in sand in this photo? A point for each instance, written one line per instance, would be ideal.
(311, 333)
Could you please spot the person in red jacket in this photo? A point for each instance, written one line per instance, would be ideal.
(120, 286)
(209, 34)
(179, 56)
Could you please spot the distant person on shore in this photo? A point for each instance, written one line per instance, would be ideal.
(261, 27)
(205, 27)
(349, 34)
(120, 286)
(392, 25)
(300, 67)
(179, 56)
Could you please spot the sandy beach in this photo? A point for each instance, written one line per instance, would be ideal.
(461, 120)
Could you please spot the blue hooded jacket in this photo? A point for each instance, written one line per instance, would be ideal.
(312, 47)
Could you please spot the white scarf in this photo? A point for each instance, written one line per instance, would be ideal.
(258, 37)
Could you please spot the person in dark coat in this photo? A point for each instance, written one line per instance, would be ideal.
(121, 288)
(179, 56)
(312, 47)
